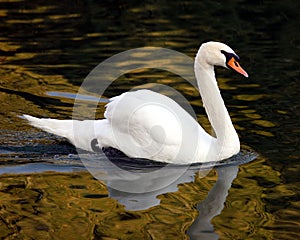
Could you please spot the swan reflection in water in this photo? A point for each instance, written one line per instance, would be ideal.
(137, 183)
(212, 205)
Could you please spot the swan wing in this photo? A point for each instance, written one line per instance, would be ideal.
(147, 124)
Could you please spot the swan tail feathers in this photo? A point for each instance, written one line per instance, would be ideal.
(88, 135)
(58, 127)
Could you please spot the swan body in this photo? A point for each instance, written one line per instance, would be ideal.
(146, 124)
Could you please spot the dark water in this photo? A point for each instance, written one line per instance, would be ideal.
(48, 48)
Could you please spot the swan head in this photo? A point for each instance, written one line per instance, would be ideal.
(219, 54)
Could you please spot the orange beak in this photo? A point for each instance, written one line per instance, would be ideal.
(233, 64)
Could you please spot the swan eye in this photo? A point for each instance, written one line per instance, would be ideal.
(229, 56)
(226, 54)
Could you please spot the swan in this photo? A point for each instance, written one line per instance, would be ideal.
(149, 125)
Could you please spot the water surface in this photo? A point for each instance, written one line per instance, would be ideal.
(47, 49)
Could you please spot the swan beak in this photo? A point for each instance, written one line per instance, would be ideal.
(233, 64)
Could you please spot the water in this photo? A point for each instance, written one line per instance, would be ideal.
(47, 49)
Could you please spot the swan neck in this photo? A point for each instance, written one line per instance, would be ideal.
(227, 138)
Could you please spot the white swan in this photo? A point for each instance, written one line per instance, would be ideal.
(146, 124)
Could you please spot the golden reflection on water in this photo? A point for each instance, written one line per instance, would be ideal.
(76, 206)
(24, 91)
(41, 57)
